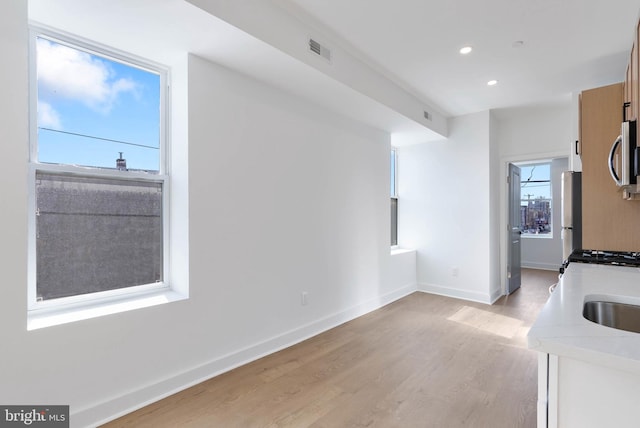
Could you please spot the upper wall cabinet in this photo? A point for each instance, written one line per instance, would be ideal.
(608, 220)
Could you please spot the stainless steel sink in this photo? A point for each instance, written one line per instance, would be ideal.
(615, 315)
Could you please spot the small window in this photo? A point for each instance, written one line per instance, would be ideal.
(394, 198)
(536, 200)
(99, 220)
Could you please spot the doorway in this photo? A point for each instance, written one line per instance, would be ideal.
(538, 207)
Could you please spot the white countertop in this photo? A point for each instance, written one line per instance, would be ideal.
(560, 328)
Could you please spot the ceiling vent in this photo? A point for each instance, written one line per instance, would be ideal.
(318, 49)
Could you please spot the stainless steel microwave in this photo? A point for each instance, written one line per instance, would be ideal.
(623, 157)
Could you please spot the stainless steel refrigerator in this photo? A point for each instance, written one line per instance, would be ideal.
(571, 212)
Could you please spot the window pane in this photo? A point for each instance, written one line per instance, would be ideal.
(394, 221)
(535, 206)
(91, 108)
(536, 181)
(96, 234)
(393, 173)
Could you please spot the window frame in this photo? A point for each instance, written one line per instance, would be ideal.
(35, 307)
(550, 199)
(394, 195)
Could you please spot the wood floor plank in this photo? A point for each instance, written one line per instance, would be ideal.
(422, 361)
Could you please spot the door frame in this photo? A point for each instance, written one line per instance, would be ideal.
(504, 203)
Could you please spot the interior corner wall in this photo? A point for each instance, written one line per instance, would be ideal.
(284, 198)
(445, 210)
(495, 287)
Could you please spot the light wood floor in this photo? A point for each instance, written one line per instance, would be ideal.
(422, 361)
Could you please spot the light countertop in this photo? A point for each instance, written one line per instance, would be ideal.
(560, 328)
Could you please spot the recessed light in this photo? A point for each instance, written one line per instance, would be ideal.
(465, 50)
(492, 82)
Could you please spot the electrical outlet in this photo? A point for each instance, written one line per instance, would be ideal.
(455, 271)
(303, 298)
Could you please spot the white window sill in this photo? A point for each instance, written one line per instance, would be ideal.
(62, 315)
(397, 250)
(535, 236)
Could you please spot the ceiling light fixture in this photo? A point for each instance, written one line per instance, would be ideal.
(492, 82)
(465, 50)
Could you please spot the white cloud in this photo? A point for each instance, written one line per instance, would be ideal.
(73, 74)
(48, 117)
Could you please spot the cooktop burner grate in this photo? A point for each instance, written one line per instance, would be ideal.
(620, 258)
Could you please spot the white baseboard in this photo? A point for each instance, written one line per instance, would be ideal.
(495, 295)
(111, 409)
(455, 293)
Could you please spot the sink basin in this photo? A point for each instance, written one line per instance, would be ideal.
(621, 316)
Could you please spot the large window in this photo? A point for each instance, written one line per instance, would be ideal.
(535, 199)
(394, 198)
(99, 217)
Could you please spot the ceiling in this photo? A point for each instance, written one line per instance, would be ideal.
(568, 46)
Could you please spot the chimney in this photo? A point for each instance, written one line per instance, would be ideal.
(121, 163)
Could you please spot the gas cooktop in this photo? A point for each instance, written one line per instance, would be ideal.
(619, 258)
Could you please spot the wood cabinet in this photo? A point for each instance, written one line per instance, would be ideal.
(609, 222)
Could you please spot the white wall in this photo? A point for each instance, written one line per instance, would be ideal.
(19, 350)
(534, 132)
(445, 211)
(284, 197)
(495, 226)
(528, 134)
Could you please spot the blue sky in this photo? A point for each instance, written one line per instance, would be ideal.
(534, 173)
(81, 93)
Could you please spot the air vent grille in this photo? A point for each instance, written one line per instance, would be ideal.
(318, 49)
(315, 46)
